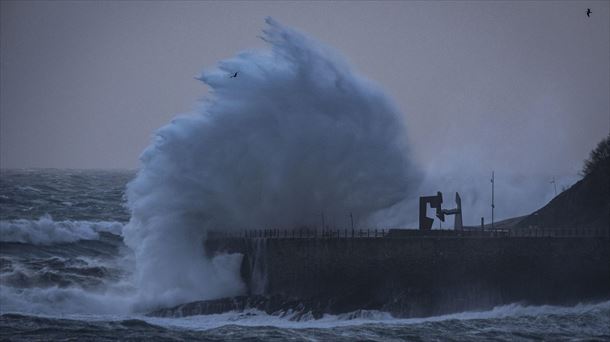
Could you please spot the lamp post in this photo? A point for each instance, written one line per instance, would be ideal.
(493, 206)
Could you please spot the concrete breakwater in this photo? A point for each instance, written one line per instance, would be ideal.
(421, 275)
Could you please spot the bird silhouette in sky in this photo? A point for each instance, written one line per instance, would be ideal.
(588, 12)
(234, 75)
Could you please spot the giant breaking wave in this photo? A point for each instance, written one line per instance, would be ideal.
(294, 136)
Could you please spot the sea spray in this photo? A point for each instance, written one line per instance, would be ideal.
(294, 136)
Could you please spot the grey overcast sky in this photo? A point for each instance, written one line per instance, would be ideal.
(518, 85)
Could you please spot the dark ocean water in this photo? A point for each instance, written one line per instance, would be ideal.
(65, 274)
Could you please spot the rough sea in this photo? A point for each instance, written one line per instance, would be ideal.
(65, 274)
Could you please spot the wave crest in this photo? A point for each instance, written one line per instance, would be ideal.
(46, 231)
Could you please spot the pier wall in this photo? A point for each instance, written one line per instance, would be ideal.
(424, 275)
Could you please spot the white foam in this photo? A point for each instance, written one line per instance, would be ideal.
(55, 301)
(257, 318)
(46, 231)
(117, 309)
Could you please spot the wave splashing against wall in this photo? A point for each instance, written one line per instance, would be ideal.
(294, 135)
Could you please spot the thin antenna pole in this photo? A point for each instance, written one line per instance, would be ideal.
(554, 185)
(351, 217)
(492, 200)
(322, 220)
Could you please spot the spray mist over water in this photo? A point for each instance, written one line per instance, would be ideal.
(294, 135)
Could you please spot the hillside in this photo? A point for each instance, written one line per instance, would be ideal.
(584, 205)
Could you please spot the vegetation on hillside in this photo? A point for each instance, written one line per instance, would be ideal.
(599, 158)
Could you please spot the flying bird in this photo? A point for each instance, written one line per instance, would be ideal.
(588, 12)
(234, 75)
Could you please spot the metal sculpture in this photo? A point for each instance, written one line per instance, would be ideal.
(435, 202)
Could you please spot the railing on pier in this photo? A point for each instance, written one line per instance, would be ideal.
(533, 232)
(315, 233)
